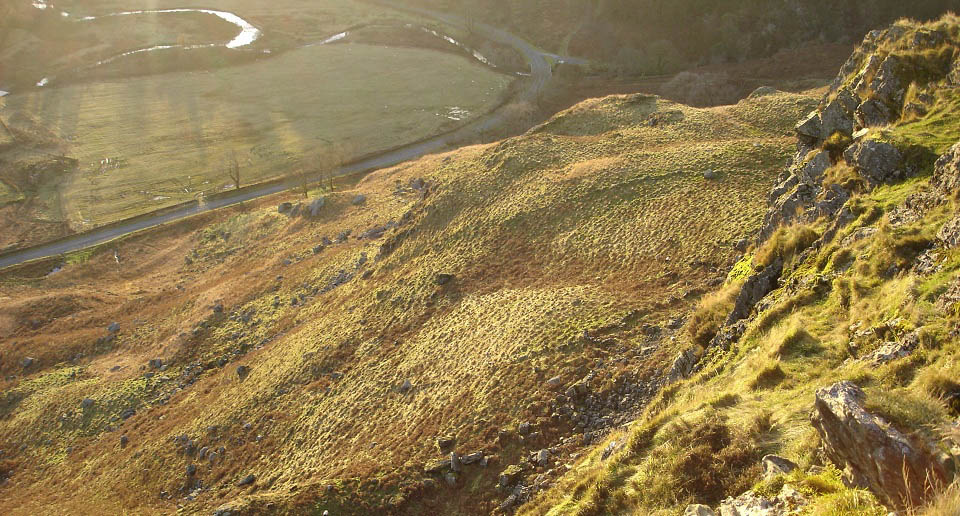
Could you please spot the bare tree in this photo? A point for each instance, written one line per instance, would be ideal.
(232, 168)
(302, 177)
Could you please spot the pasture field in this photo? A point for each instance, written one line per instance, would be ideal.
(149, 142)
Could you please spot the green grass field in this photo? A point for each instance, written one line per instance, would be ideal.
(167, 135)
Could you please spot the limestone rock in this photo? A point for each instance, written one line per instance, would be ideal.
(748, 504)
(682, 365)
(359, 199)
(888, 86)
(754, 289)
(836, 119)
(315, 206)
(874, 455)
(698, 510)
(813, 170)
(877, 162)
(946, 172)
(774, 465)
(811, 127)
(873, 113)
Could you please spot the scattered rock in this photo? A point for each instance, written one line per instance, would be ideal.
(114, 327)
(698, 510)
(554, 382)
(443, 278)
(315, 206)
(436, 466)
(247, 480)
(682, 365)
(709, 174)
(359, 199)
(748, 504)
(877, 162)
(888, 352)
(191, 470)
(284, 207)
(446, 442)
(873, 454)
(405, 388)
(472, 458)
(123, 441)
(87, 403)
(524, 428)
(28, 362)
(455, 464)
(543, 457)
(243, 371)
(949, 235)
(774, 465)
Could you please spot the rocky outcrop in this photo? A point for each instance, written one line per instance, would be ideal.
(869, 92)
(946, 172)
(872, 453)
(877, 162)
(754, 289)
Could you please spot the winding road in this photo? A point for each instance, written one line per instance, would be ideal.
(540, 74)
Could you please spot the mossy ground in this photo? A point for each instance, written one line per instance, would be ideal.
(569, 230)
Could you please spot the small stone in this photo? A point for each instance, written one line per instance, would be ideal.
(87, 403)
(698, 510)
(114, 327)
(524, 428)
(247, 480)
(709, 174)
(123, 441)
(28, 362)
(406, 386)
(443, 278)
(359, 199)
(455, 464)
(543, 458)
(191, 470)
(554, 382)
(774, 465)
(243, 371)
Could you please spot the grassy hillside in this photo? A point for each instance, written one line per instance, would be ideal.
(884, 277)
(336, 373)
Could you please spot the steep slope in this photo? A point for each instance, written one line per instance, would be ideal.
(270, 362)
(834, 342)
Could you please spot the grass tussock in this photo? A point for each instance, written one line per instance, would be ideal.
(786, 243)
(710, 314)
